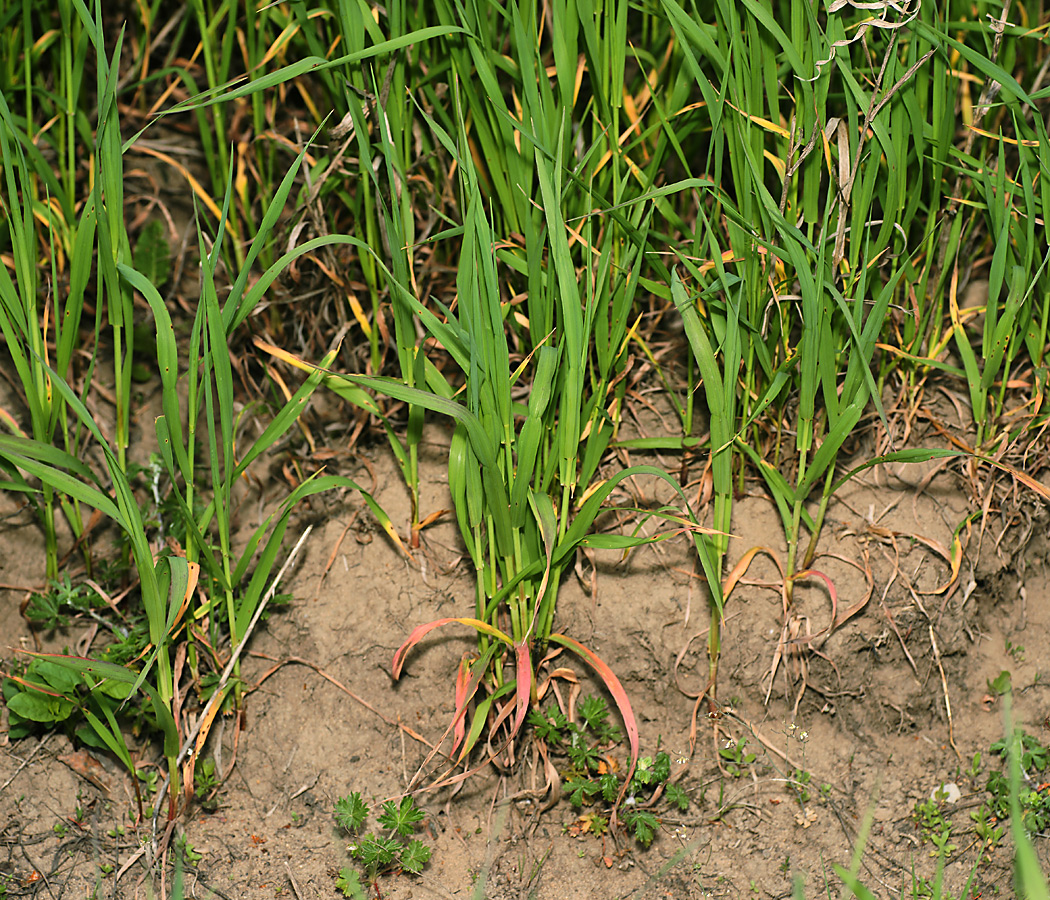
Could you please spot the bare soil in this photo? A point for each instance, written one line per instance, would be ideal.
(871, 701)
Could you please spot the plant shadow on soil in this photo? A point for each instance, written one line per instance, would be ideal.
(877, 733)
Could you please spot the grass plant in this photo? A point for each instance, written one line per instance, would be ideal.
(836, 194)
(236, 578)
(41, 222)
(522, 476)
(516, 488)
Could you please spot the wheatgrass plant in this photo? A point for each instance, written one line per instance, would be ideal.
(746, 315)
(168, 583)
(42, 79)
(524, 475)
(377, 117)
(375, 132)
(246, 63)
(234, 589)
(1015, 311)
(163, 582)
(831, 153)
(379, 120)
(20, 322)
(178, 605)
(239, 134)
(35, 197)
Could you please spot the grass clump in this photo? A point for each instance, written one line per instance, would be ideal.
(197, 591)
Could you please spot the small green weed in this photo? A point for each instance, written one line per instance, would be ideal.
(206, 784)
(1034, 794)
(986, 827)
(591, 775)
(975, 767)
(735, 757)
(798, 782)
(379, 855)
(186, 851)
(934, 827)
(923, 888)
(149, 778)
(46, 695)
(1000, 684)
(989, 818)
(1015, 650)
(124, 634)
(50, 610)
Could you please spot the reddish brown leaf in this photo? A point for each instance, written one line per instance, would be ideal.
(88, 768)
(421, 631)
(619, 696)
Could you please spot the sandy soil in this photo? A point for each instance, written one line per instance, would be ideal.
(870, 700)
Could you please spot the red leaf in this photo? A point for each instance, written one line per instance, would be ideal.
(462, 683)
(523, 688)
(619, 695)
(421, 631)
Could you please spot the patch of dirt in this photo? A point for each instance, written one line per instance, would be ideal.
(864, 711)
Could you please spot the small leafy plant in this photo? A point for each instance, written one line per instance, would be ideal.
(591, 776)
(736, 757)
(798, 782)
(986, 827)
(186, 851)
(124, 634)
(51, 609)
(206, 784)
(1034, 795)
(379, 854)
(934, 827)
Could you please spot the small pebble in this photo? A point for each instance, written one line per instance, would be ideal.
(949, 793)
